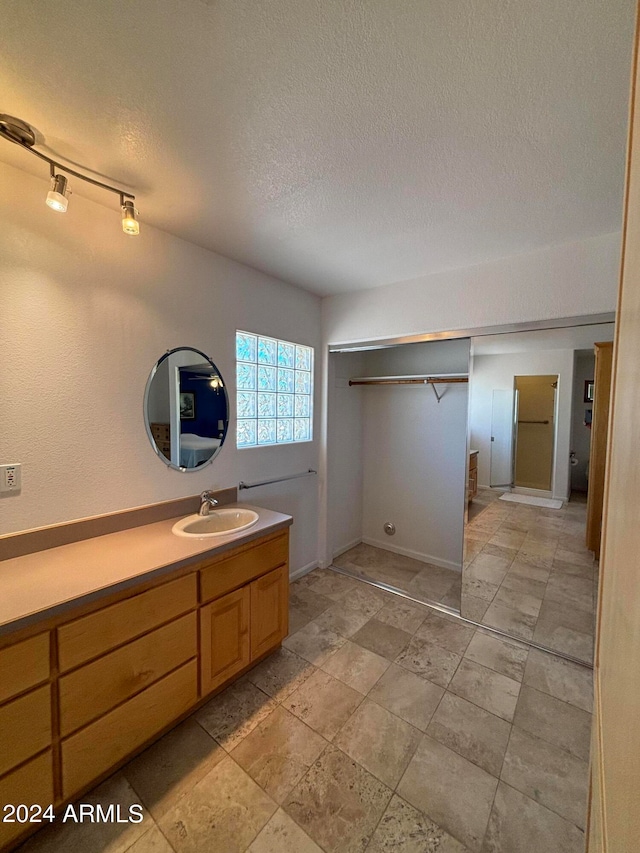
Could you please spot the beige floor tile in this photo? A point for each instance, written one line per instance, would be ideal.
(153, 841)
(535, 560)
(333, 585)
(518, 823)
(508, 538)
(529, 586)
(550, 776)
(338, 803)
(280, 674)
(429, 661)
(324, 703)
(378, 740)
(283, 835)
(365, 599)
(479, 589)
(235, 712)
(471, 732)
(523, 567)
(341, 620)
(279, 752)
(357, 667)
(383, 639)
(499, 654)
(488, 568)
(454, 636)
(108, 837)
(490, 690)
(162, 774)
(527, 605)
(314, 643)
(307, 601)
(511, 621)
(452, 791)
(407, 695)
(563, 679)
(503, 551)
(555, 721)
(224, 811)
(402, 614)
(576, 558)
(297, 620)
(473, 608)
(404, 829)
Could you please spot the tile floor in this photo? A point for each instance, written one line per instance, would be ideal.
(379, 726)
(527, 572)
(420, 580)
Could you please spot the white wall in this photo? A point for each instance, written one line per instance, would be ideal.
(570, 280)
(491, 372)
(584, 367)
(86, 313)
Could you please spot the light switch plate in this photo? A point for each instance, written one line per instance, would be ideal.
(11, 477)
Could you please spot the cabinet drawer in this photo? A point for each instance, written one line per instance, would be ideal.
(99, 632)
(225, 575)
(31, 784)
(97, 687)
(269, 611)
(24, 665)
(106, 742)
(25, 727)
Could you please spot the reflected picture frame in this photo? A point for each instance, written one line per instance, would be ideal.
(588, 390)
(187, 406)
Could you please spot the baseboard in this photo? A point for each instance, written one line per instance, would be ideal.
(416, 555)
(303, 570)
(344, 548)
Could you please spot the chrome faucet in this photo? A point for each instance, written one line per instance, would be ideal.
(207, 501)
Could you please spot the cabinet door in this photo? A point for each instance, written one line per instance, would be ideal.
(269, 611)
(224, 638)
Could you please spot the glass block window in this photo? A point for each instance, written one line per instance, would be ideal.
(274, 391)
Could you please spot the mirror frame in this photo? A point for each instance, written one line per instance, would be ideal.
(145, 404)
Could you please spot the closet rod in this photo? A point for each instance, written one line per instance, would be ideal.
(430, 380)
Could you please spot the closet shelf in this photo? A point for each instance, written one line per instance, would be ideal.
(413, 379)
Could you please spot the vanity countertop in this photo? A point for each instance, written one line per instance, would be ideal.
(46, 583)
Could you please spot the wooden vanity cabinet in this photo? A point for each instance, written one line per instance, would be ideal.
(26, 729)
(245, 624)
(81, 698)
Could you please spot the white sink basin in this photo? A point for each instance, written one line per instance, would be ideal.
(218, 523)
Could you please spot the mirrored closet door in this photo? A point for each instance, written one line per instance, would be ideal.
(534, 428)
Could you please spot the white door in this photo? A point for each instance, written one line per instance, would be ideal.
(502, 416)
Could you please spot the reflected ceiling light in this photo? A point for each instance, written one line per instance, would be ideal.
(18, 131)
(57, 195)
(216, 382)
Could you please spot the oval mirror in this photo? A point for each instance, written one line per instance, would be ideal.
(186, 409)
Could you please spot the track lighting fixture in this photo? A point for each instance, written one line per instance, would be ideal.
(130, 224)
(19, 132)
(57, 195)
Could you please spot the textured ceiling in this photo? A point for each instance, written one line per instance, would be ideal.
(337, 144)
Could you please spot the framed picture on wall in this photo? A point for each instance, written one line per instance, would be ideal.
(187, 406)
(588, 390)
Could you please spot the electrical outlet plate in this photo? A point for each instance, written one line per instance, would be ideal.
(10, 477)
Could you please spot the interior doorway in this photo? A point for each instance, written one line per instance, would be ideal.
(535, 422)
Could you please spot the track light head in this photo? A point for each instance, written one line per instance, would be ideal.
(57, 195)
(130, 224)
